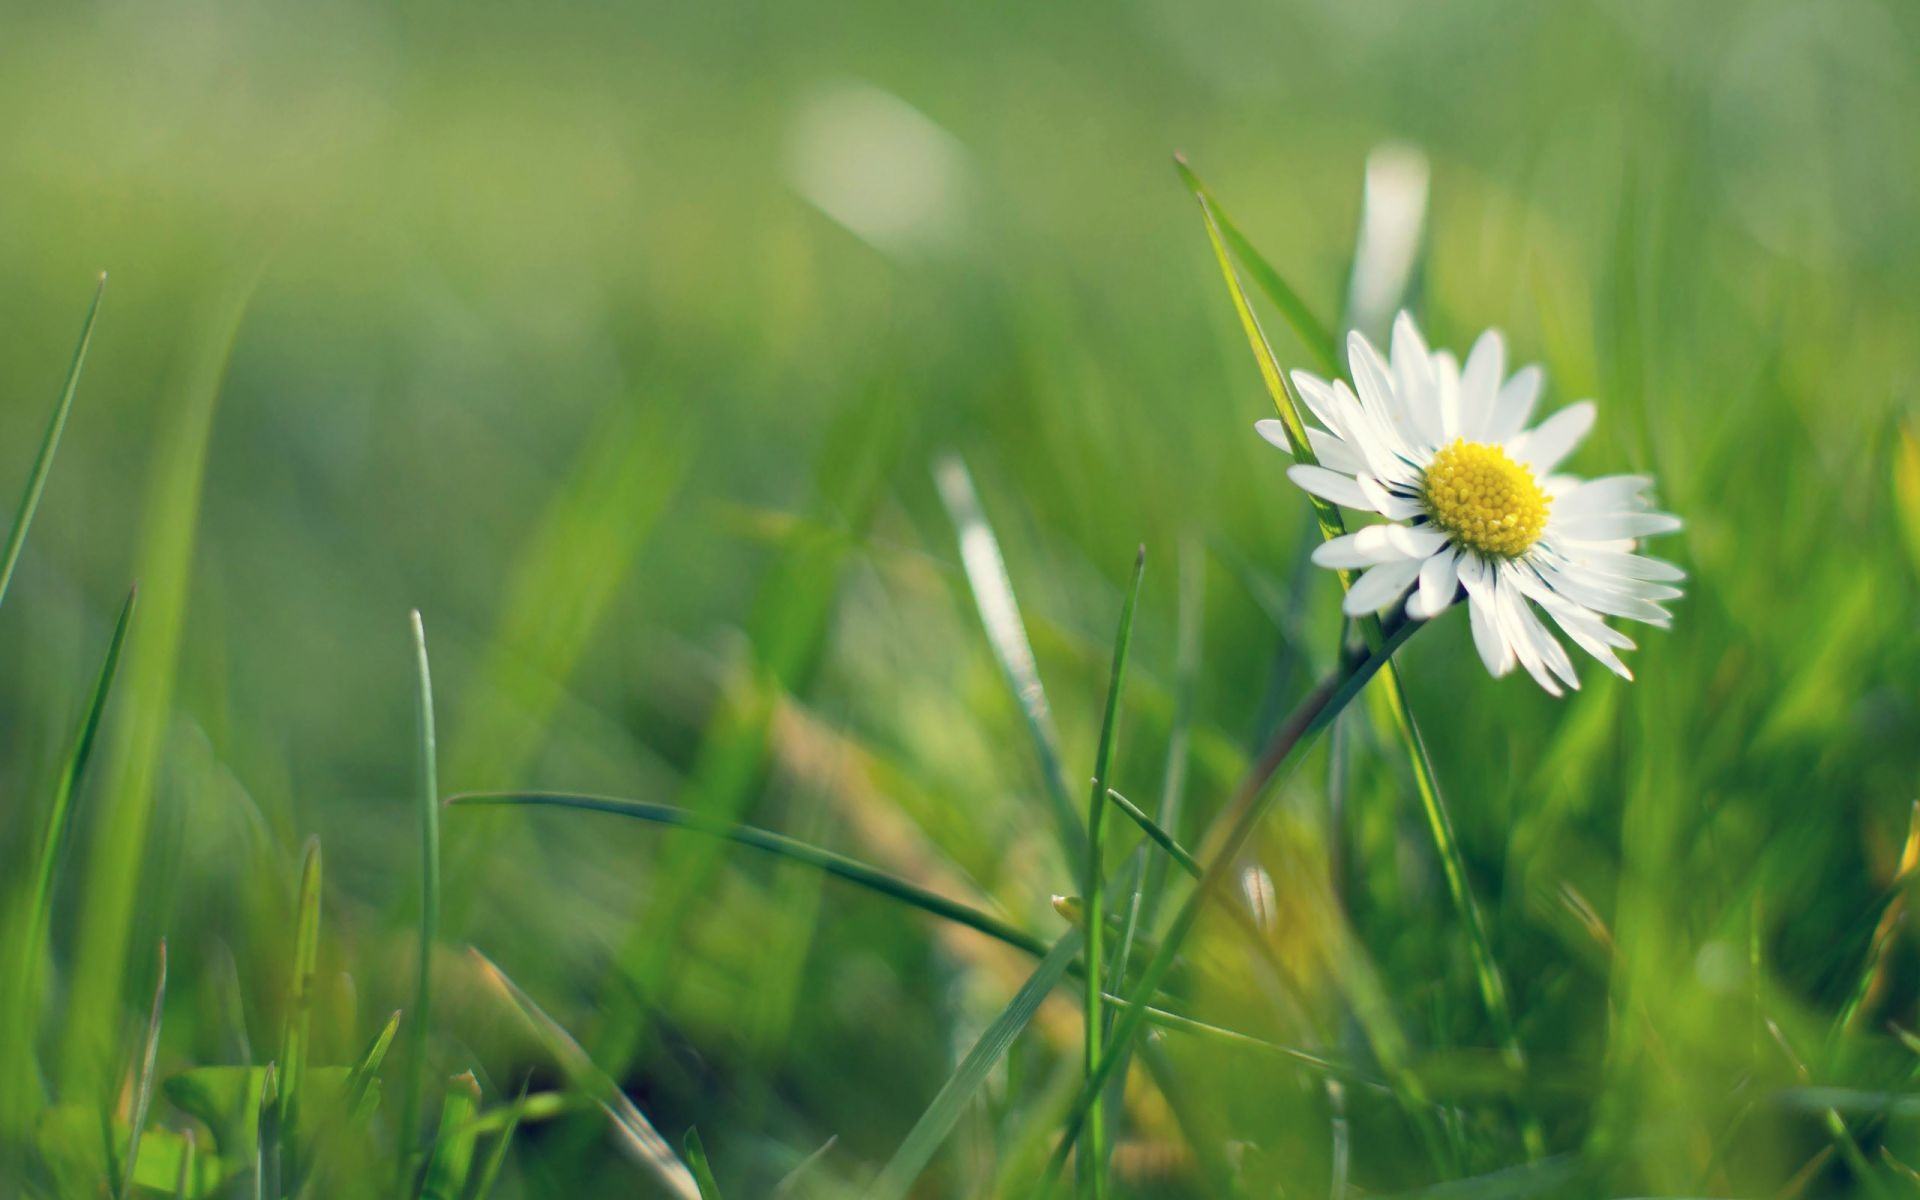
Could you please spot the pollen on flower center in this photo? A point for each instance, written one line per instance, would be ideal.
(1485, 499)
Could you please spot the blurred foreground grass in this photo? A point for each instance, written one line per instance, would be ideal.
(622, 342)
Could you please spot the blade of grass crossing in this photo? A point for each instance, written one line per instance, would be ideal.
(637, 1135)
(1188, 618)
(365, 1073)
(33, 945)
(49, 443)
(1245, 810)
(143, 1077)
(702, 1170)
(1096, 869)
(951, 1102)
(429, 808)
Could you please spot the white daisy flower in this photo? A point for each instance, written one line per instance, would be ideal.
(1474, 506)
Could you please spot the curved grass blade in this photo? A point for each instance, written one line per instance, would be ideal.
(702, 1170)
(429, 808)
(266, 1138)
(184, 1181)
(1175, 851)
(938, 1121)
(858, 873)
(837, 865)
(1096, 870)
(33, 946)
(637, 1135)
(49, 443)
(143, 1078)
(1313, 334)
(803, 1170)
(993, 595)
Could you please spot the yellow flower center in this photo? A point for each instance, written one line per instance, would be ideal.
(1485, 499)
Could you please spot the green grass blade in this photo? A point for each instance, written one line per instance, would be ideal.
(940, 1117)
(1312, 332)
(266, 1138)
(1096, 870)
(293, 1045)
(1189, 617)
(986, 572)
(143, 1077)
(49, 443)
(452, 1159)
(184, 1181)
(33, 945)
(502, 1146)
(837, 865)
(1244, 811)
(702, 1170)
(366, 1071)
(637, 1135)
(428, 798)
(1175, 851)
(121, 841)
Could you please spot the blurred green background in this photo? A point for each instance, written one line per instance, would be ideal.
(621, 341)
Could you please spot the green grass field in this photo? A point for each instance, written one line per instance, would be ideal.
(763, 408)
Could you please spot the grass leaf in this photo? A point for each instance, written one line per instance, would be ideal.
(637, 1135)
(944, 1112)
(452, 1159)
(427, 798)
(1096, 870)
(49, 443)
(503, 1145)
(702, 1170)
(143, 1076)
(33, 945)
(986, 573)
(293, 1046)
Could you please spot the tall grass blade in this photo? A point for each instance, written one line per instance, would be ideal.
(121, 842)
(1189, 619)
(184, 1181)
(951, 1102)
(25, 1013)
(365, 1074)
(1175, 851)
(143, 1077)
(1873, 971)
(49, 443)
(637, 1135)
(1096, 870)
(428, 800)
(702, 1170)
(1312, 332)
(992, 589)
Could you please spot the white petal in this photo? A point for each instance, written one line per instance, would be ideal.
(1597, 594)
(1613, 526)
(1326, 404)
(1488, 638)
(1552, 654)
(1446, 388)
(1531, 642)
(1368, 547)
(1330, 485)
(1335, 454)
(1439, 580)
(1275, 434)
(1380, 587)
(1415, 541)
(1385, 502)
(1514, 406)
(1611, 493)
(1589, 632)
(1377, 397)
(1542, 447)
(1480, 384)
(1629, 566)
(1413, 377)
